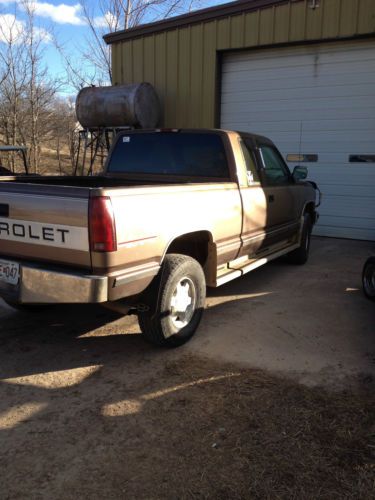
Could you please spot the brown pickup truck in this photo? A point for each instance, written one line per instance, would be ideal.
(175, 211)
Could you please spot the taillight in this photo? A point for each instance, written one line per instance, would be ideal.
(102, 225)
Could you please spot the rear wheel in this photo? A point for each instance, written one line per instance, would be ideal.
(368, 278)
(175, 303)
(301, 254)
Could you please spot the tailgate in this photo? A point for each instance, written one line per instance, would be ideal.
(45, 223)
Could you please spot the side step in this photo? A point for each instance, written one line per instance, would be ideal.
(247, 265)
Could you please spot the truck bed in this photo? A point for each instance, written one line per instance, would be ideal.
(99, 181)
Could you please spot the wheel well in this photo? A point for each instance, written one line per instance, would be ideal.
(195, 245)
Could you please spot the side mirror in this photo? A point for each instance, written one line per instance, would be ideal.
(300, 173)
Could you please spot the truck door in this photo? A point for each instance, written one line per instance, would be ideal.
(277, 182)
(254, 204)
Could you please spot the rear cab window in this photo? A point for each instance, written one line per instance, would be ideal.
(170, 153)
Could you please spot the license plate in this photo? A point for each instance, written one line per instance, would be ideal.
(9, 272)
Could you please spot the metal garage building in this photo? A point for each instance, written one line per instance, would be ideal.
(299, 71)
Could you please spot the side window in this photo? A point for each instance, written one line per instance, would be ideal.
(276, 172)
(252, 172)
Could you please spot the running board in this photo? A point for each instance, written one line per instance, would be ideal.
(251, 264)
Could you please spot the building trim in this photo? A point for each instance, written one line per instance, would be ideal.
(196, 17)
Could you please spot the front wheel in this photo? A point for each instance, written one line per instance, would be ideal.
(368, 278)
(301, 254)
(176, 302)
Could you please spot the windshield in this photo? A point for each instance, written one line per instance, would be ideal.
(173, 153)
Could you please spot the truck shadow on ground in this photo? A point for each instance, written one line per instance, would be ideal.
(259, 320)
(63, 337)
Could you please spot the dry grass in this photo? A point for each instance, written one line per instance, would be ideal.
(187, 429)
(250, 435)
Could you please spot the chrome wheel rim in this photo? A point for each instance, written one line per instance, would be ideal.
(183, 303)
(369, 280)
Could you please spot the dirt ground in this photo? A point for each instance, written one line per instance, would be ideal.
(308, 322)
(274, 397)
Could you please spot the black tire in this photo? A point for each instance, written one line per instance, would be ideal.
(301, 254)
(161, 324)
(368, 278)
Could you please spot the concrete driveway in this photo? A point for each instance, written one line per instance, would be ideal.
(310, 322)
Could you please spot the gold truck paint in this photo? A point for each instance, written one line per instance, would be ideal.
(241, 228)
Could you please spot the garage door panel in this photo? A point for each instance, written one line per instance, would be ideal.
(329, 146)
(339, 231)
(328, 125)
(334, 54)
(332, 73)
(292, 145)
(341, 182)
(336, 92)
(317, 99)
(333, 139)
(304, 106)
(354, 135)
(347, 221)
(344, 124)
(363, 173)
(348, 205)
(344, 189)
(337, 160)
(305, 83)
(341, 114)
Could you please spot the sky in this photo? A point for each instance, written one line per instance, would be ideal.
(65, 21)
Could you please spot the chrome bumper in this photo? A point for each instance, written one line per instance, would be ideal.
(43, 286)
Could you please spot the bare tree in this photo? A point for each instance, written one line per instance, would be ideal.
(64, 130)
(26, 91)
(13, 82)
(40, 88)
(107, 16)
(4, 72)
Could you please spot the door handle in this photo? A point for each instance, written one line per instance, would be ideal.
(271, 198)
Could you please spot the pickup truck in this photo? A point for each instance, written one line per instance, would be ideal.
(174, 211)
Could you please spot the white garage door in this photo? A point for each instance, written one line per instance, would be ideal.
(314, 100)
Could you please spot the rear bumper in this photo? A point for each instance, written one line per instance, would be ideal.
(44, 286)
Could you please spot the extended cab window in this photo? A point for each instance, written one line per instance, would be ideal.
(173, 153)
(251, 169)
(275, 170)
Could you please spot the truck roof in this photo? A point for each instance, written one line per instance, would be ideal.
(258, 137)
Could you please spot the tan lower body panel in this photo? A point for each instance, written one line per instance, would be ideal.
(228, 274)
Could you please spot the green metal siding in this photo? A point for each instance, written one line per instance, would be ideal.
(182, 63)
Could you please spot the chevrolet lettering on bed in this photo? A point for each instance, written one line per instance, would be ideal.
(37, 233)
(40, 234)
(175, 211)
(21, 230)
